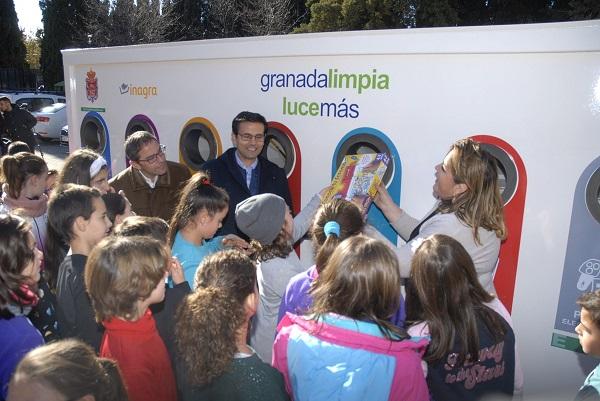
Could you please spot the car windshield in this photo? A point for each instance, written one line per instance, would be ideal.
(53, 108)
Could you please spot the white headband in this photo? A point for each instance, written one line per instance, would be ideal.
(97, 166)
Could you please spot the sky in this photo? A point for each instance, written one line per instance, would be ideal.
(30, 15)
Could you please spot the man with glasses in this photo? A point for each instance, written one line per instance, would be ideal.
(151, 183)
(242, 172)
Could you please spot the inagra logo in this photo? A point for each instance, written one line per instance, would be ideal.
(133, 90)
(91, 86)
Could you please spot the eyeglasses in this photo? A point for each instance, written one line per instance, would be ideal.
(154, 158)
(249, 137)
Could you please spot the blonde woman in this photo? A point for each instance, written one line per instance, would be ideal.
(468, 209)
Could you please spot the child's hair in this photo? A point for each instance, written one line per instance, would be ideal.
(279, 248)
(446, 293)
(197, 195)
(17, 147)
(209, 320)
(76, 169)
(18, 168)
(115, 205)
(121, 271)
(15, 254)
(344, 219)
(591, 302)
(72, 369)
(361, 280)
(65, 205)
(153, 227)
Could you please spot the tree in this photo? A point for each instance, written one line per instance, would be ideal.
(33, 47)
(190, 17)
(344, 15)
(584, 9)
(432, 13)
(12, 48)
(124, 22)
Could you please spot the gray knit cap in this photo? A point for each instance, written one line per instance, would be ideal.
(261, 217)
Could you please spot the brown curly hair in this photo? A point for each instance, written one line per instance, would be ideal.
(279, 248)
(122, 270)
(208, 321)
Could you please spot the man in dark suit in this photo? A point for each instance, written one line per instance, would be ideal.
(242, 172)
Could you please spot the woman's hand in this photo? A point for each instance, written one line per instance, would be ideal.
(384, 201)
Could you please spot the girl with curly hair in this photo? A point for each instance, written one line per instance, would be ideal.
(267, 221)
(212, 325)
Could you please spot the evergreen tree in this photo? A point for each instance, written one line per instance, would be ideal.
(431, 13)
(190, 16)
(584, 9)
(12, 48)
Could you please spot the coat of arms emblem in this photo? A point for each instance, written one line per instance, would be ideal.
(91, 86)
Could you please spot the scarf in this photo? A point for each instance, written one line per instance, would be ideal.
(31, 207)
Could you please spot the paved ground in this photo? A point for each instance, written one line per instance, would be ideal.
(54, 154)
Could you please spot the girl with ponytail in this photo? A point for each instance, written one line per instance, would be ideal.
(335, 221)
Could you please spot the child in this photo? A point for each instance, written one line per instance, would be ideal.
(78, 215)
(66, 370)
(467, 336)
(201, 209)
(267, 221)
(153, 227)
(124, 276)
(588, 331)
(24, 177)
(118, 208)
(85, 167)
(346, 348)
(335, 221)
(163, 312)
(212, 324)
(20, 262)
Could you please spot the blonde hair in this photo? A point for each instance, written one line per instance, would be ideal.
(481, 204)
(121, 271)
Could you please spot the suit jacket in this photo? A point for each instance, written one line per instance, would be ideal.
(158, 202)
(226, 173)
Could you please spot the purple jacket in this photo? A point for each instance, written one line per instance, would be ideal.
(297, 300)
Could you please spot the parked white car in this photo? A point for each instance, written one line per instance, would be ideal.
(35, 101)
(50, 120)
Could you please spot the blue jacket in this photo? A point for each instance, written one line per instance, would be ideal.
(225, 173)
(17, 337)
(338, 358)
